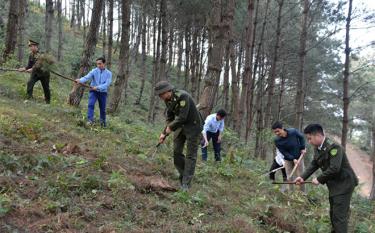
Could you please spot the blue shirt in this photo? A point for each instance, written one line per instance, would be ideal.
(291, 145)
(211, 124)
(99, 78)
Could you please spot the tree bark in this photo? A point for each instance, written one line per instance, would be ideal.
(250, 93)
(76, 94)
(218, 27)
(272, 77)
(187, 57)
(201, 62)
(170, 45)
(231, 10)
(194, 61)
(144, 57)
(60, 29)
(180, 44)
(104, 29)
(372, 194)
(122, 78)
(48, 24)
(236, 87)
(246, 76)
(164, 40)
(11, 33)
(346, 100)
(156, 63)
(73, 12)
(299, 102)
(21, 29)
(110, 33)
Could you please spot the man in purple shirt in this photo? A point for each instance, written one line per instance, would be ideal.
(213, 128)
(100, 78)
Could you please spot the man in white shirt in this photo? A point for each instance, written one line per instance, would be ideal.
(213, 129)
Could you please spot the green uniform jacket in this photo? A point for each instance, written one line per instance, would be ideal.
(182, 113)
(336, 170)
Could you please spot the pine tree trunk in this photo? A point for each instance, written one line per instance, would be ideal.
(218, 26)
(193, 62)
(259, 118)
(281, 93)
(76, 94)
(372, 194)
(83, 16)
(346, 100)
(122, 78)
(236, 88)
(156, 64)
(187, 57)
(144, 57)
(246, 76)
(201, 62)
(226, 76)
(73, 12)
(148, 44)
(250, 102)
(272, 77)
(104, 29)
(139, 24)
(60, 29)
(170, 46)
(48, 24)
(230, 13)
(110, 33)
(234, 85)
(11, 33)
(299, 102)
(21, 29)
(78, 13)
(180, 44)
(164, 40)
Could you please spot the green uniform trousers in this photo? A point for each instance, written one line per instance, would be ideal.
(43, 77)
(185, 164)
(339, 212)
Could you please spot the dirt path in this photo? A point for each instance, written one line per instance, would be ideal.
(361, 164)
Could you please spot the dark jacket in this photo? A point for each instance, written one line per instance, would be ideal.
(291, 145)
(337, 172)
(182, 113)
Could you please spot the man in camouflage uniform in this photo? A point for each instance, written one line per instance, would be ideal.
(337, 173)
(184, 119)
(37, 74)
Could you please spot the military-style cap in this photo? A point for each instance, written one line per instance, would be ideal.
(162, 87)
(31, 42)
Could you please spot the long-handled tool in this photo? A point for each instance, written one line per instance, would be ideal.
(53, 72)
(158, 145)
(67, 78)
(11, 69)
(274, 170)
(296, 165)
(291, 182)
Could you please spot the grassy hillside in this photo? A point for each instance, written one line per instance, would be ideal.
(56, 175)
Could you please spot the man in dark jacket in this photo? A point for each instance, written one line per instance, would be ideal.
(337, 173)
(37, 74)
(185, 121)
(291, 144)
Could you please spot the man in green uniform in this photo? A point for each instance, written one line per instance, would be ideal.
(184, 119)
(337, 173)
(37, 74)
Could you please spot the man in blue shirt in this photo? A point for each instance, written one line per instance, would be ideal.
(213, 128)
(291, 143)
(100, 78)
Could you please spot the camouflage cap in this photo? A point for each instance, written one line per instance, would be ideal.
(32, 42)
(162, 87)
